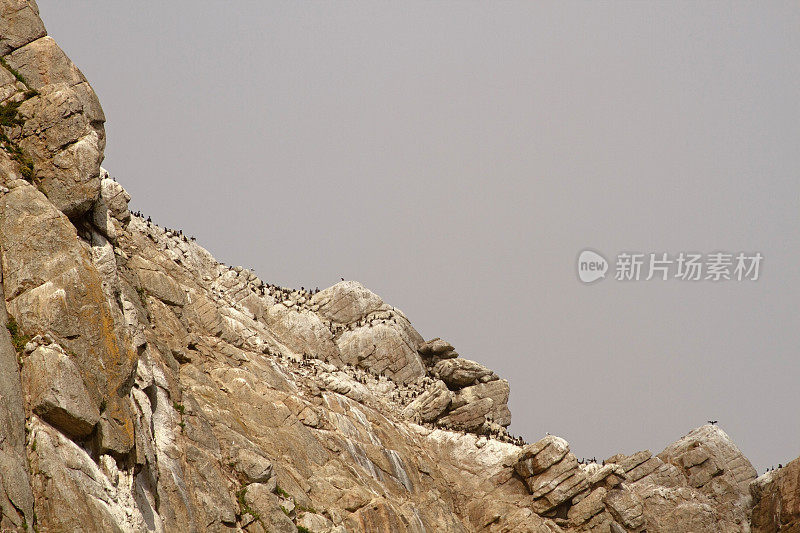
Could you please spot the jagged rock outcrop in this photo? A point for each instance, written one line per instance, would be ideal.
(699, 483)
(460, 373)
(430, 404)
(148, 387)
(465, 395)
(60, 125)
(19, 25)
(435, 350)
(776, 497)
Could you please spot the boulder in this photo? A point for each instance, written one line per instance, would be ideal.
(468, 417)
(435, 347)
(314, 522)
(429, 405)
(112, 205)
(537, 457)
(608, 475)
(497, 390)
(459, 373)
(19, 24)
(253, 466)
(55, 392)
(346, 302)
(115, 433)
(436, 350)
(266, 505)
(551, 474)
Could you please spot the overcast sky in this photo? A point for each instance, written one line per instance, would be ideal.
(456, 157)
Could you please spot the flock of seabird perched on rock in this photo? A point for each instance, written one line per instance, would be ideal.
(401, 394)
(176, 232)
(379, 317)
(296, 296)
(772, 468)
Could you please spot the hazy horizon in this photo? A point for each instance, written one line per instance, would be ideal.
(456, 159)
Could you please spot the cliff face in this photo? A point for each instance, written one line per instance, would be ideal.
(145, 386)
(776, 496)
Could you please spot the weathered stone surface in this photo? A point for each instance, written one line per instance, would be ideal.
(498, 391)
(644, 469)
(214, 381)
(157, 283)
(776, 497)
(63, 131)
(266, 504)
(435, 347)
(52, 285)
(559, 479)
(253, 466)
(629, 462)
(314, 522)
(431, 403)
(588, 507)
(303, 332)
(547, 481)
(19, 24)
(712, 463)
(115, 198)
(16, 497)
(627, 509)
(537, 457)
(112, 205)
(115, 433)
(384, 348)
(436, 350)
(378, 515)
(608, 475)
(468, 417)
(56, 393)
(72, 492)
(459, 373)
(346, 302)
(562, 493)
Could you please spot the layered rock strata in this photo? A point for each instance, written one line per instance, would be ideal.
(147, 387)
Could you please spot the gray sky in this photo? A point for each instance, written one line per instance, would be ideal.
(456, 157)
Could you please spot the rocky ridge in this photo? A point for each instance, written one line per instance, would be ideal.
(147, 387)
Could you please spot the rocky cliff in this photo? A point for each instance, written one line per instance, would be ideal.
(147, 387)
